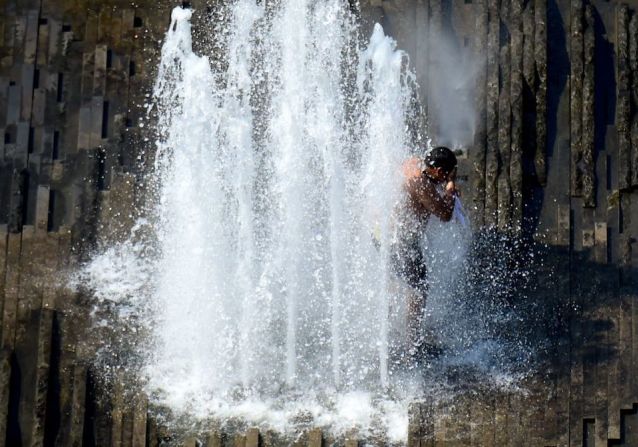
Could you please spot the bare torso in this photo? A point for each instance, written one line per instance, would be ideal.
(422, 198)
(417, 187)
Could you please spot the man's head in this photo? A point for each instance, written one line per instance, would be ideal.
(440, 163)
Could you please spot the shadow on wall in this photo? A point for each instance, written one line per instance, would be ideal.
(558, 72)
(558, 113)
(557, 119)
(605, 86)
(552, 294)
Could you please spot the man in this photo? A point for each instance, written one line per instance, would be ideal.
(429, 189)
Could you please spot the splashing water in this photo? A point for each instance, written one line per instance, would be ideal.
(269, 298)
(269, 280)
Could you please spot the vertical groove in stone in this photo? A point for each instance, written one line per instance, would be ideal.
(126, 434)
(516, 104)
(315, 437)
(65, 371)
(540, 59)
(529, 42)
(152, 434)
(576, 99)
(435, 27)
(589, 167)
(3, 272)
(28, 299)
(215, 440)
(140, 422)
(504, 124)
(421, 18)
(633, 64)
(478, 152)
(5, 382)
(623, 104)
(420, 425)
(117, 413)
(625, 248)
(76, 429)
(18, 193)
(491, 155)
(43, 358)
(12, 287)
(436, 17)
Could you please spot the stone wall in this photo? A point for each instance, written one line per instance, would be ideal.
(553, 156)
(73, 80)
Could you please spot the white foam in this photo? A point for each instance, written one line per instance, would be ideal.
(180, 14)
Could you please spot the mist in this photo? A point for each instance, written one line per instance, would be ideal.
(449, 91)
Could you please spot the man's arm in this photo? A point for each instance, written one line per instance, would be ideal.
(442, 206)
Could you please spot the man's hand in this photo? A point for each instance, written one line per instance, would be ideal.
(450, 188)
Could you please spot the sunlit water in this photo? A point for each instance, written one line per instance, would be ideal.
(260, 277)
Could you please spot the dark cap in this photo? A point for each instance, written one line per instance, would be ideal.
(441, 157)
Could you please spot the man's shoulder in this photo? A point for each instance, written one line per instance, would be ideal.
(412, 168)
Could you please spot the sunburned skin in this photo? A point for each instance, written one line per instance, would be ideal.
(423, 197)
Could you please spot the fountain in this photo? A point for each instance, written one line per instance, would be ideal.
(260, 274)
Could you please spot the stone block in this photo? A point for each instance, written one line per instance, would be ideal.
(19, 34)
(576, 99)
(42, 208)
(76, 431)
(84, 128)
(589, 125)
(563, 230)
(54, 42)
(214, 440)
(491, 157)
(5, 382)
(14, 104)
(43, 44)
(91, 29)
(23, 136)
(633, 66)
(140, 423)
(540, 56)
(97, 121)
(504, 194)
(477, 153)
(87, 75)
(26, 81)
(516, 105)
(239, 440)
(623, 105)
(39, 107)
(11, 290)
(421, 423)
(600, 238)
(315, 439)
(99, 73)
(588, 238)
(31, 37)
(41, 384)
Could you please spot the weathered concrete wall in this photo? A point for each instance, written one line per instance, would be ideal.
(554, 155)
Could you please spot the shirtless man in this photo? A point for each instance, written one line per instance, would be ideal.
(430, 188)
